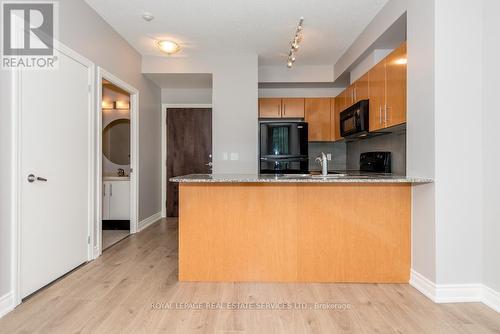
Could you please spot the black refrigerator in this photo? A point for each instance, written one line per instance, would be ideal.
(283, 148)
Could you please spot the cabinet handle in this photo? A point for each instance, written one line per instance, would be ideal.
(380, 115)
(111, 190)
(284, 109)
(355, 94)
(385, 114)
(104, 190)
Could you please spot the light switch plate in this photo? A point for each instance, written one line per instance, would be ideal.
(234, 156)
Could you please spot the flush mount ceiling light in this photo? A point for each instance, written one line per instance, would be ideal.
(169, 47)
(148, 17)
(295, 43)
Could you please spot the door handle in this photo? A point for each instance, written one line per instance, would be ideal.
(32, 178)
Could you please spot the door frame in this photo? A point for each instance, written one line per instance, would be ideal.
(164, 180)
(96, 236)
(17, 178)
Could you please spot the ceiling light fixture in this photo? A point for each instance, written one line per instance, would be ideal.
(295, 43)
(148, 17)
(169, 47)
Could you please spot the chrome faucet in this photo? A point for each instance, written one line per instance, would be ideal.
(323, 162)
(121, 172)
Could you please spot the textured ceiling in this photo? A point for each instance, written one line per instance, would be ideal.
(264, 27)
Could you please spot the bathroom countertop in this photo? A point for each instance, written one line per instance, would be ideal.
(116, 178)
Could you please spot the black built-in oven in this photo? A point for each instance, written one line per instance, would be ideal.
(283, 148)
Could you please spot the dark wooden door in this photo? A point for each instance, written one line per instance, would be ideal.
(189, 148)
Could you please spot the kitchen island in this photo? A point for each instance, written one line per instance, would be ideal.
(295, 228)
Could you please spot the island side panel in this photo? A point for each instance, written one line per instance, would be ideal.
(354, 233)
(276, 232)
(237, 232)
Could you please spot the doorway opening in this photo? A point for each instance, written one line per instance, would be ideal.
(117, 165)
(116, 154)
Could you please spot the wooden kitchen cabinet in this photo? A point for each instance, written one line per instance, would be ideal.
(387, 90)
(292, 108)
(270, 108)
(395, 70)
(317, 115)
(335, 109)
(376, 88)
(281, 108)
(361, 89)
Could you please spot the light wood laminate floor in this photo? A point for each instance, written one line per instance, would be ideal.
(115, 294)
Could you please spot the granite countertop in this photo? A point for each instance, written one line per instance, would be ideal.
(298, 178)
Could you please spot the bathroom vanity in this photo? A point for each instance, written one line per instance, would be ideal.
(116, 198)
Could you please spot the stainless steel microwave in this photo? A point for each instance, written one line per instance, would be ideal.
(355, 120)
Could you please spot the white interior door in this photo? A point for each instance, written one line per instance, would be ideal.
(55, 128)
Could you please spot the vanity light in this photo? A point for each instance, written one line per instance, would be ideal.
(122, 105)
(169, 47)
(295, 44)
(107, 104)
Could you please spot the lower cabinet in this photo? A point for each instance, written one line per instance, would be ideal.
(116, 200)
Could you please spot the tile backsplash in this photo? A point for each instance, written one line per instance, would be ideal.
(392, 142)
(337, 150)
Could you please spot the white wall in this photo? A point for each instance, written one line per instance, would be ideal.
(491, 158)
(84, 31)
(186, 95)
(306, 73)
(234, 103)
(458, 186)
(87, 33)
(299, 91)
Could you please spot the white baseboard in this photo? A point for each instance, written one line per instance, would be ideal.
(455, 293)
(148, 221)
(6, 303)
(491, 298)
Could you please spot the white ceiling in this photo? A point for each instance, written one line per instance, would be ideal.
(264, 27)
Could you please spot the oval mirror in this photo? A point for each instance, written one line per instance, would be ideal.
(116, 141)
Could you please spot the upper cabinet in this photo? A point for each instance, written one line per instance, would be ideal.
(269, 108)
(335, 109)
(377, 96)
(281, 108)
(361, 88)
(387, 90)
(292, 108)
(395, 69)
(318, 118)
